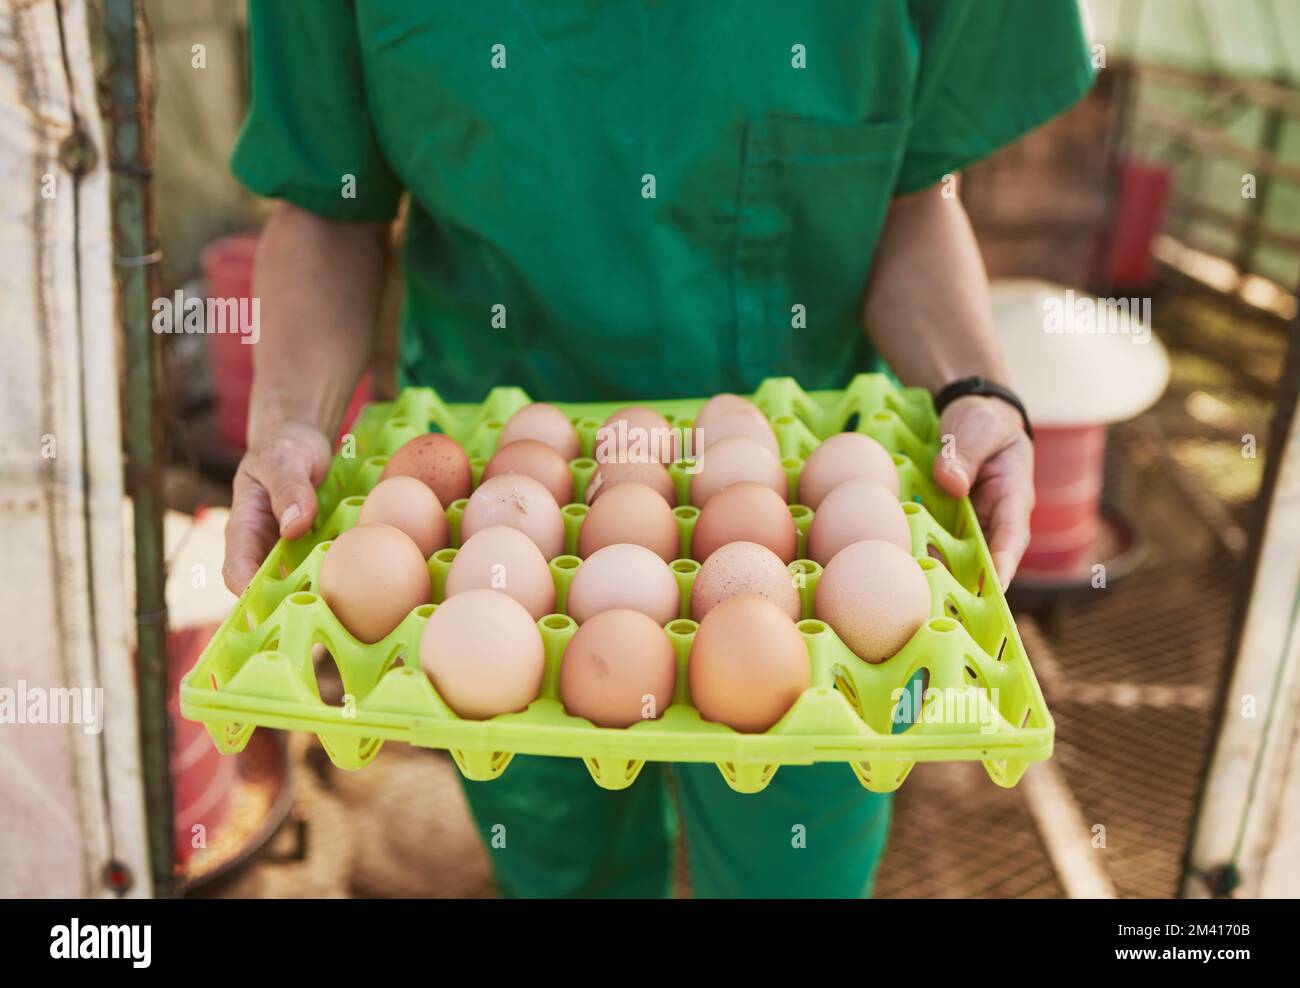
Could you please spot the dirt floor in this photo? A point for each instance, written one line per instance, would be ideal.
(1130, 673)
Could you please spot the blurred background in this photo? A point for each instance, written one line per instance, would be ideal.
(1174, 184)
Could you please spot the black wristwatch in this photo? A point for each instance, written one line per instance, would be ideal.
(981, 388)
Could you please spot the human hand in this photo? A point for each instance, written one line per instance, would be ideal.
(990, 458)
(274, 496)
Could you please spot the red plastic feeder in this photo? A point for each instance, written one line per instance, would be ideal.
(203, 780)
(1068, 465)
(1124, 256)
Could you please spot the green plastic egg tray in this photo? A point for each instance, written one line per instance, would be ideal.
(960, 690)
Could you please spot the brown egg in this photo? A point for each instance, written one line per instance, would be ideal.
(537, 460)
(854, 511)
(409, 505)
(546, 424)
(520, 502)
(874, 596)
(731, 460)
(842, 457)
(371, 577)
(744, 567)
(631, 513)
(745, 512)
(728, 415)
(437, 460)
(748, 664)
(635, 435)
(627, 577)
(654, 475)
(618, 669)
(505, 559)
(483, 654)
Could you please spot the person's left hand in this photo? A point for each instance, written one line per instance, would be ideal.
(991, 459)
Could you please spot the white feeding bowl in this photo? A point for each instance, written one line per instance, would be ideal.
(1076, 360)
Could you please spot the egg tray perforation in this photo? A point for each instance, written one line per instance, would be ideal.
(982, 701)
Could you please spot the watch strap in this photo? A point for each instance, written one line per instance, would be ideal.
(979, 387)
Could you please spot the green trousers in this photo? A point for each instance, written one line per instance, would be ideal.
(552, 832)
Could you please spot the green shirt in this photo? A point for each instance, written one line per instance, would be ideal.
(629, 198)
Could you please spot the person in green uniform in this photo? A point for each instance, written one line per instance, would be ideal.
(632, 199)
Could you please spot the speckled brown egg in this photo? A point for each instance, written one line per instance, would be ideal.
(854, 511)
(874, 596)
(520, 502)
(745, 512)
(618, 669)
(534, 459)
(437, 460)
(631, 513)
(371, 577)
(744, 567)
(748, 664)
(842, 457)
(546, 424)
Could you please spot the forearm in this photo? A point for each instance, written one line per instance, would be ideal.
(319, 282)
(926, 308)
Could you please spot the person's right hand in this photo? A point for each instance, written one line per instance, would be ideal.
(274, 496)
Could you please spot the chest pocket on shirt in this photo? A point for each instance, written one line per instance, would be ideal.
(813, 198)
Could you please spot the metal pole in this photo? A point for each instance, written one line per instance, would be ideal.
(1224, 877)
(136, 257)
(1257, 208)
